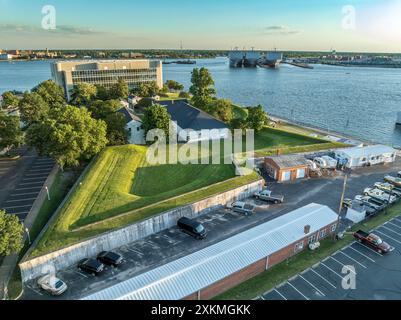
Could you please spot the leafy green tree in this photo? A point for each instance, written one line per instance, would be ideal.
(144, 103)
(119, 90)
(257, 118)
(117, 133)
(51, 93)
(173, 85)
(202, 87)
(184, 95)
(68, 134)
(221, 109)
(239, 123)
(116, 124)
(147, 89)
(11, 234)
(10, 131)
(156, 117)
(9, 99)
(32, 108)
(102, 93)
(83, 94)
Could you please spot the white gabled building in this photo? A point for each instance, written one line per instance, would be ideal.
(134, 127)
(365, 156)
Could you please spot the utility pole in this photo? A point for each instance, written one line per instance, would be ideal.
(347, 173)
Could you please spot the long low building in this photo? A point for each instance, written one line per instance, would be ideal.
(217, 268)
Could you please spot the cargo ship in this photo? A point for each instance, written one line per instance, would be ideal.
(251, 58)
(271, 59)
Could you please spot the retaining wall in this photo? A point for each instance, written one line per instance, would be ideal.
(68, 256)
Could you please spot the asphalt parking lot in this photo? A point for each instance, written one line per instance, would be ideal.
(377, 277)
(172, 244)
(23, 179)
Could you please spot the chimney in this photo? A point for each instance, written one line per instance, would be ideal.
(307, 229)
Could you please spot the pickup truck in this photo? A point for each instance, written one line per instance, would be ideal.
(371, 202)
(267, 195)
(373, 241)
(242, 207)
(393, 180)
(388, 187)
(380, 195)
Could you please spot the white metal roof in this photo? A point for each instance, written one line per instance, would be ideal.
(180, 278)
(358, 152)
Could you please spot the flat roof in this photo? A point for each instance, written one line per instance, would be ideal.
(187, 275)
(357, 152)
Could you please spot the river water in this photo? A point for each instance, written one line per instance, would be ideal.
(359, 102)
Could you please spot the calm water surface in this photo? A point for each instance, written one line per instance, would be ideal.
(360, 102)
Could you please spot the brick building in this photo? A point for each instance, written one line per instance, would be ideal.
(217, 268)
(287, 167)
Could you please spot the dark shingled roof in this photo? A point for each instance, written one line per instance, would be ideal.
(128, 115)
(289, 161)
(189, 117)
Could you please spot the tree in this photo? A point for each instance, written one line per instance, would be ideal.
(202, 87)
(68, 134)
(221, 109)
(83, 94)
(184, 95)
(116, 123)
(257, 118)
(51, 93)
(9, 100)
(32, 108)
(173, 85)
(117, 133)
(119, 90)
(156, 117)
(11, 234)
(147, 89)
(10, 131)
(239, 123)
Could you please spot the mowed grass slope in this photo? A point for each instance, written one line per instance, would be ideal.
(121, 188)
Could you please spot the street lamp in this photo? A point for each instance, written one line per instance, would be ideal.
(29, 236)
(48, 193)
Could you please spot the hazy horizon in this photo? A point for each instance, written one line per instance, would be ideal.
(359, 26)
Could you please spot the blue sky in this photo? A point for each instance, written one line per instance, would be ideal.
(218, 24)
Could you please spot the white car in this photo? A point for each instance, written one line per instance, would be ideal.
(388, 187)
(52, 284)
(381, 195)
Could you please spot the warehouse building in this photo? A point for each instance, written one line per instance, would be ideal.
(213, 270)
(365, 156)
(289, 167)
(106, 73)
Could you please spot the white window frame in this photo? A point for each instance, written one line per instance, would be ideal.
(312, 239)
(299, 246)
(323, 233)
(333, 227)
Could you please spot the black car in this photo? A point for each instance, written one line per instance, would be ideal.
(91, 266)
(110, 258)
(192, 228)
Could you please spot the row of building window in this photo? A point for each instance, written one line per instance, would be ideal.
(313, 238)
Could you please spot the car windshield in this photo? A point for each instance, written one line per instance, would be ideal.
(199, 228)
(379, 241)
(59, 284)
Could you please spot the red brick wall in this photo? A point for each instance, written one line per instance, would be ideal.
(251, 271)
(234, 279)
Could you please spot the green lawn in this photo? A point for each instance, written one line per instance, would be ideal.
(122, 188)
(289, 268)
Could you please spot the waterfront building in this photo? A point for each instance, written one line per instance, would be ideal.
(106, 73)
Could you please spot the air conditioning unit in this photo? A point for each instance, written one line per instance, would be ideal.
(314, 246)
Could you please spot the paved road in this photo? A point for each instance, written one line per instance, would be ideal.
(21, 181)
(171, 244)
(377, 277)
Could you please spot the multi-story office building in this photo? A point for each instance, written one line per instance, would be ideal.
(106, 73)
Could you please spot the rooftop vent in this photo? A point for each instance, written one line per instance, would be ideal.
(307, 229)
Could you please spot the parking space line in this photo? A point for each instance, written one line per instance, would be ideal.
(306, 298)
(16, 207)
(398, 234)
(398, 219)
(353, 259)
(135, 251)
(36, 178)
(331, 270)
(323, 278)
(280, 294)
(21, 189)
(33, 289)
(388, 236)
(81, 274)
(312, 285)
(393, 224)
(19, 200)
(369, 249)
(343, 265)
(24, 194)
